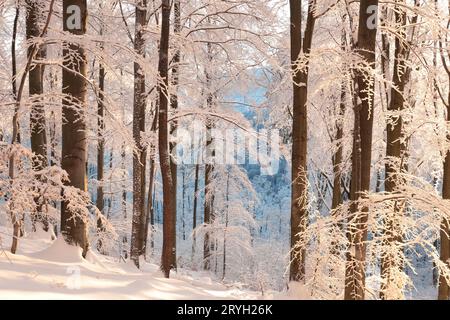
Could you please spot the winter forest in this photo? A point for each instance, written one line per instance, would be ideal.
(225, 149)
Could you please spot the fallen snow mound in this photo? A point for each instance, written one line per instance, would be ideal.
(60, 251)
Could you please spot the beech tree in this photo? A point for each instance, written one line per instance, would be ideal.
(300, 49)
(139, 155)
(36, 88)
(169, 207)
(362, 147)
(74, 142)
(396, 148)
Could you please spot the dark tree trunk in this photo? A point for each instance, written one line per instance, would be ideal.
(183, 217)
(174, 106)
(444, 286)
(151, 186)
(74, 139)
(38, 130)
(355, 269)
(100, 201)
(16, 221)
(150, 208)
(139, 154)
(224, 262)
(124, 200)
(208, 215)
(299, 212)
(169, 207)
(443, 289)
(194, 215)
(395, 151)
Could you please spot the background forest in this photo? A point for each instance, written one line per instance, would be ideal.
(293, 149)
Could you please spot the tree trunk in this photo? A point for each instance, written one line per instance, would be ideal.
(194, 215)
(208, 215)
(74, 139)
(224, 262)
(124, 199)
(299, 211)
(443, 289)
(16, 222)
(444, 286)
(151, 186)
(183, 217)
(139, 154)
(395, 153)
(174, 107)
(337, 158)
(355, 269)
(150, 208)
(38, 131)
(100, 151)
(169, 207)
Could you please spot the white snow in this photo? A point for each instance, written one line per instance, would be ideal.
(46, 269)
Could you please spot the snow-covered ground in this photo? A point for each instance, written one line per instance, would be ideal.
(51, 269)
(46, 269)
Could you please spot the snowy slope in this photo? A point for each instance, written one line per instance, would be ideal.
(46, 269)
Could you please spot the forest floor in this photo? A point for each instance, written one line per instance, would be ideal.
(46, 269)
(51, 269)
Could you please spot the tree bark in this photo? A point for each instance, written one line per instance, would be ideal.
(208, 215)
(169, 207)
(224, 262)
(74, 139)
(444, 286)
(194, 214)
(16, 222)
(395, 152)
(151, 186)
(37, 117)
(355, 269)
(100, 202)
(299, 211)
(139, 154)
(174, 107)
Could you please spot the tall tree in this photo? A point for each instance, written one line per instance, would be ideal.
(74, 138)
(151, 187)
(174, 103)
(16, 221)
(208, 215)
(169, 207)
(362, 147)
(100, 201)
(194, 213)
(300, 48)
(139, 154)
(38, 129)
(396, 146)
(444, 286)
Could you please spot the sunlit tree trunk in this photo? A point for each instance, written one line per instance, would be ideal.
(174, 106)
(169, 207)
(139, 154)
(299, 211)
(74, 138)
(444, 286)
(367, 31)
(395, 153)
(100, 202)
(208, 214)
(38, 132)
(16, 220)
(194, 214)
